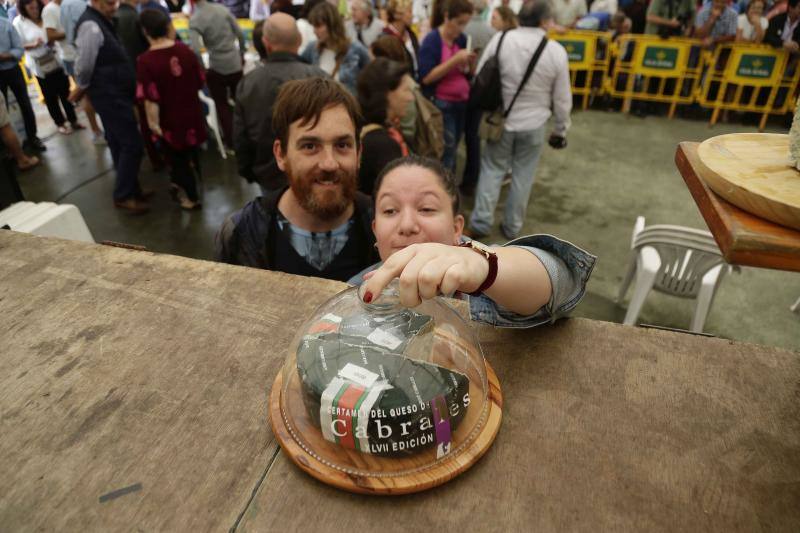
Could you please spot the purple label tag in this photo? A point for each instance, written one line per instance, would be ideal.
(441, 425)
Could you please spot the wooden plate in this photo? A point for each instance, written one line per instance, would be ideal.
(395, 479)
(753, 172)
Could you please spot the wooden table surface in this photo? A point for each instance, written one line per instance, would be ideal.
(133, 396)
(743, 238)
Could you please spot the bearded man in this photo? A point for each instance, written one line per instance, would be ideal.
(319, 225)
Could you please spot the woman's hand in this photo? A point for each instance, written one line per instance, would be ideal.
(464, 57)
(33, 44)
(426, 270)
(76, 94)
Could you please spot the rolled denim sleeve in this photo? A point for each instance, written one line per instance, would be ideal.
(16, 49)
(568, 267)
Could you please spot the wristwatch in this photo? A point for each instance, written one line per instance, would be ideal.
(492, 258)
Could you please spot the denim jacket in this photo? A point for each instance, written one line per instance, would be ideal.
(568, 266)
(353, 61)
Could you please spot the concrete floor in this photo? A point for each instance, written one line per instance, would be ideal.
(615, 168)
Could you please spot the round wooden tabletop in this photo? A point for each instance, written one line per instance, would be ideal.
(422, 478)
(753, 171)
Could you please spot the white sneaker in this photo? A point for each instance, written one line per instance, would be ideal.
(99, 139)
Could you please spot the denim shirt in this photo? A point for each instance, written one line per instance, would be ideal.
(71, 11)
(10, 43)
(568, 266)
(353, 61)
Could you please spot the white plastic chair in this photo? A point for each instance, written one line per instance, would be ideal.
(213, 122)
(47, 220)
(680, 261)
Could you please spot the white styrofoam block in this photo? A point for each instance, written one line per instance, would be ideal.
(47, 220)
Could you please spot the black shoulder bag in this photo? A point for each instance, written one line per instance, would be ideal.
(493, 123)
(486, 91)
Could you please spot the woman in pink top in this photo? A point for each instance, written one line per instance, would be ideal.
(445, 62)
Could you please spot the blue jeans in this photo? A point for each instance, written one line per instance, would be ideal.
(472, 141)
(124, 141)
(454, 114)
(520, 151)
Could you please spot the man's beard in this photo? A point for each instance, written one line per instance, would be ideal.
(325, 204)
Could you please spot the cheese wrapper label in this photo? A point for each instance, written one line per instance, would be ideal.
(441, 424)
(358, 375)
(332, 318)
(384, 338)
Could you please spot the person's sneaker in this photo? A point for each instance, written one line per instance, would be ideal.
(28, 163)
(189, 205)
(146, 194)
(34, 144)
(133, 206)
(99, 139)
(507, 234)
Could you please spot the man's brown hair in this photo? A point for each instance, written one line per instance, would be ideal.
(305, 100)
(395, 8)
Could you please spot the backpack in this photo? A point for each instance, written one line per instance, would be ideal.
(429, 128)
(486, 93)
(368, 128)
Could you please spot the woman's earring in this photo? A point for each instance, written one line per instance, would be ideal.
(375, 245)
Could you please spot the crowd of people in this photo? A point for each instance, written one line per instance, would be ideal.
(351, 120)
(772, 22)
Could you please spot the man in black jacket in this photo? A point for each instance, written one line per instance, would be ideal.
(784, 30)
(252, 121)
(320, 225)
(104, 72)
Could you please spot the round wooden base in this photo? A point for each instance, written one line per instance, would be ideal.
(753, 172)
(421, 480)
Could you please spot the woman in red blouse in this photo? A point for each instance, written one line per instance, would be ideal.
(168, 80)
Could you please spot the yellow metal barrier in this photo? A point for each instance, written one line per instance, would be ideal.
(247, 27)
(589, 54)
(750, 78)
(181, 25)
(30, 79)
(653, 69)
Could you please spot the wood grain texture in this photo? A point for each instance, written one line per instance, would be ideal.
(753, 172)
(121, 367)
(743, 238)
(605, 428)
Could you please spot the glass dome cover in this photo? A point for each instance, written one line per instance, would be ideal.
(380, 390)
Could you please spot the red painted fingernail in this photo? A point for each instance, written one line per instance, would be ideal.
(367, 297)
